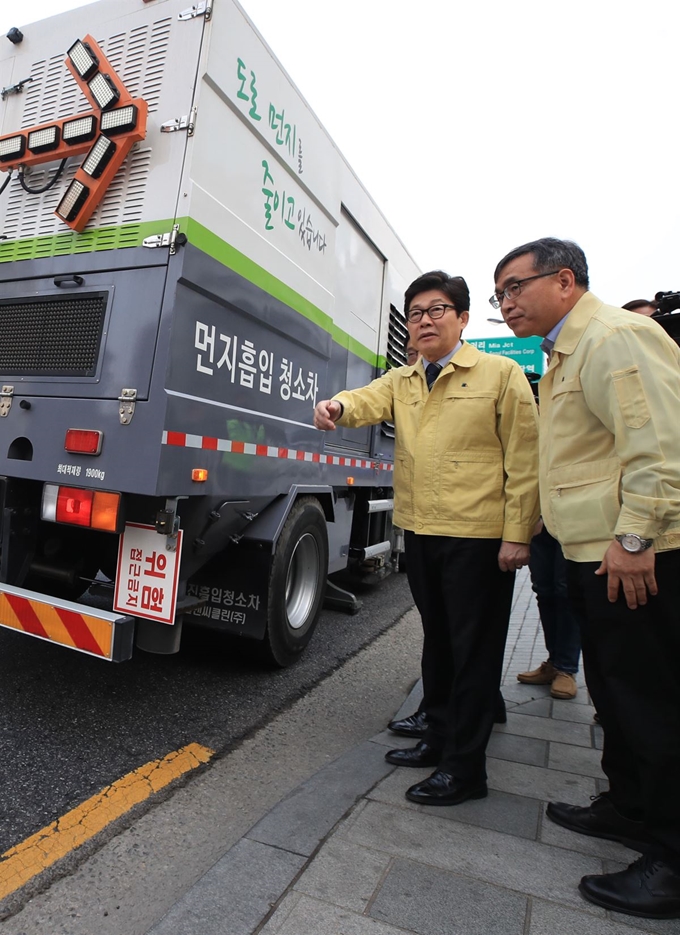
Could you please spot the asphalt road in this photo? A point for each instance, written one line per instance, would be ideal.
(71, 724)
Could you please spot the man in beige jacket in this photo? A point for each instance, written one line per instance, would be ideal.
(465, 492)
(610, 494)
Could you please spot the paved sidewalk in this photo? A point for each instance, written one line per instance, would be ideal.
(346, 854)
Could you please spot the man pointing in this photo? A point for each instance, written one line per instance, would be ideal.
(465, 492)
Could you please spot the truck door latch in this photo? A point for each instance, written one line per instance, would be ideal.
(14, 88)
(173, 239)
(6, 400)
(187, 122)
(204, 8)
(127, 401)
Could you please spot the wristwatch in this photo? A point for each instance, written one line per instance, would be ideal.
(634, 543)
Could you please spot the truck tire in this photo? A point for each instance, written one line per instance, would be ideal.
(297, 583)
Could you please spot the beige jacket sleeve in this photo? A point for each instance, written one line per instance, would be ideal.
(368, 405)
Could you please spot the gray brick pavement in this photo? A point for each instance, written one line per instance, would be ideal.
(352, 857)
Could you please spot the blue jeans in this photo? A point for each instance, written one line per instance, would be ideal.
(561, 631)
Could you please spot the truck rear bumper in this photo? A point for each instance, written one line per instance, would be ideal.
(95, 632)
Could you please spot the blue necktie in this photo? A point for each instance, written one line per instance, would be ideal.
(431, 374)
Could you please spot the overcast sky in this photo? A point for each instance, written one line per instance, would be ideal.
(480, 124)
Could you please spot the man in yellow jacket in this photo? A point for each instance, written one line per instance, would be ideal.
(610, 494)
(465, 492)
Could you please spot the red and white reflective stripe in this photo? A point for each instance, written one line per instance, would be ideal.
(206, 443)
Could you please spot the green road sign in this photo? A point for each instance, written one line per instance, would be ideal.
(525, 351)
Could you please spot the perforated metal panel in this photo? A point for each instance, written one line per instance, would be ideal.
(50, 95)
(51, 336)
(139, 57)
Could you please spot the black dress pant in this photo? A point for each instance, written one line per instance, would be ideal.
(464, 601)
(630, 659)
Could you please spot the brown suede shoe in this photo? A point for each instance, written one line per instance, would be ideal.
(564, 686)
(544, 675)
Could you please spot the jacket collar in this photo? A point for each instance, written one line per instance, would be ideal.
(466, 356)
(578, 320)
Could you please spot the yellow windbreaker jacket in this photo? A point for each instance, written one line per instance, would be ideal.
(610, 432)
(466, 454)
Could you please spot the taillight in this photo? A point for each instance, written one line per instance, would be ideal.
(83, 441)
(95, 509)
(74, 506)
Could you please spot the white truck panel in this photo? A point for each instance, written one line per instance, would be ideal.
(286, 125)
(359, 287)
(225, 161)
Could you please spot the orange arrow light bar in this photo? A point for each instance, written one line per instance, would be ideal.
(115, 114)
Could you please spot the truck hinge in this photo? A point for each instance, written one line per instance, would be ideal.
(173, 239)
(204, 8)
(187, 122)
(6, 400)
(126, 409)
(167, 524)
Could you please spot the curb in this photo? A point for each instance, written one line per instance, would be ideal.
(239, 893)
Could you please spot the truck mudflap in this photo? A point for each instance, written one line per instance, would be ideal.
(89, 630)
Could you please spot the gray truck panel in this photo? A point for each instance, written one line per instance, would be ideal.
(233, 321)
(213, 414)
(126, 352)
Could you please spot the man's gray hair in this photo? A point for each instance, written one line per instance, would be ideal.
(551, 253)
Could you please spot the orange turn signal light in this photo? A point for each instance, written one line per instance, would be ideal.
(105, 510)
(199, 474)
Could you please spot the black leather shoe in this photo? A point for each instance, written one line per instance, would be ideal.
(414, 725)
(420, 755)
(599, 820)
(501, 716)
(443, 789)
(648, 888)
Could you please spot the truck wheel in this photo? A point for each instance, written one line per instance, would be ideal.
(297, 583)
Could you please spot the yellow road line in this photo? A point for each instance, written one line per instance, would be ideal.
(19, 864)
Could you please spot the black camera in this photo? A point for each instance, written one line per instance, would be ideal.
(666, 304)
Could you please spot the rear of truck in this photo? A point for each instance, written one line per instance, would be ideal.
(82, 302)
(186, 265)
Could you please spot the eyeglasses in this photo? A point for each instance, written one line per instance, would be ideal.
(434, 311)
(514, 289)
